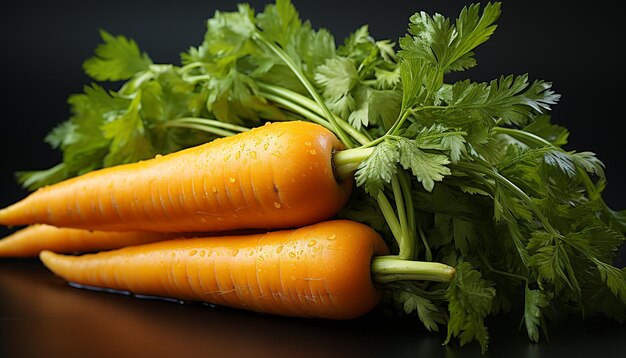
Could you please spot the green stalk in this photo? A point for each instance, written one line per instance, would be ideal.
(390, 216)
(195, 79)
(524, 135)
(388, 269)
(285, 103)
(486, 262)
(347, 161)
(405, 187)
(190, 66)
(428, 252)
(290, 95)
(405, 244)
(515, 189)
(297, 98)
(210, 123)
(402, 225)
(309, 87)
(532, 138)
(199, 127)
(401, 118)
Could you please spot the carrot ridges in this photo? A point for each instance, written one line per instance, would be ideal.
(291, 272)
(28, 242)
(284, 166)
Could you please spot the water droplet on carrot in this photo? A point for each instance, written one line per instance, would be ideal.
(157, 156)
(313, 151)
(312, 243)
(307, 143)
(193, 252)
(277, 205)
(332, 237)
(202, 253)
(235, 252)
(214, 189)
(266, 145)
(279, 249)
(292, 255)
(253, 155)
(232, 180)
(237, 155)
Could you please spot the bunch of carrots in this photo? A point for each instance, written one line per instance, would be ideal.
(278, 176)
(300, 178)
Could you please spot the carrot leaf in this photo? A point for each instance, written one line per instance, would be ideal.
(377, 170)
(337, 76)
(470, 298)
(429, 314)
(535, 302)
(118, 58)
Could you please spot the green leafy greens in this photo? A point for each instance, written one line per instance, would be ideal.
(471, 175)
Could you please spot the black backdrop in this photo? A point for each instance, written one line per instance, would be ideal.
(45, 42)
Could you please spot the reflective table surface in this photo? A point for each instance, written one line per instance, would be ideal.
(42, 316)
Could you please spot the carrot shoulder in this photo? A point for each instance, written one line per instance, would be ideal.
(276, 176)
(322, 270)
(30, 241)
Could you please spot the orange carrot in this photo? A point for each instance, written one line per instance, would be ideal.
(31, 240)
(275, 176)
(322, 270)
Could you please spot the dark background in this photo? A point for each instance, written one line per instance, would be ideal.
(43, 46)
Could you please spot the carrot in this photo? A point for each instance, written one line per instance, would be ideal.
(276, 176)
(322, 270)
(28, 242)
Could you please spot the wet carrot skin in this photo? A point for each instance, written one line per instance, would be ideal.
(275, 176)
(30, 241)
(322, 270)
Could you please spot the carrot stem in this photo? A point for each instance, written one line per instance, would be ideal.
(514, 189)
(388, 269)
(200, 127)
(206, 125)
(295, 99)
(390, 217)
(404, 241)
(304, 112)
(525, 136)
(309, 87)
(428, 253)
(210, 122)
(405, 190)
(347, 161)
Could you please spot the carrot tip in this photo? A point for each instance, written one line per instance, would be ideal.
(46, 256)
